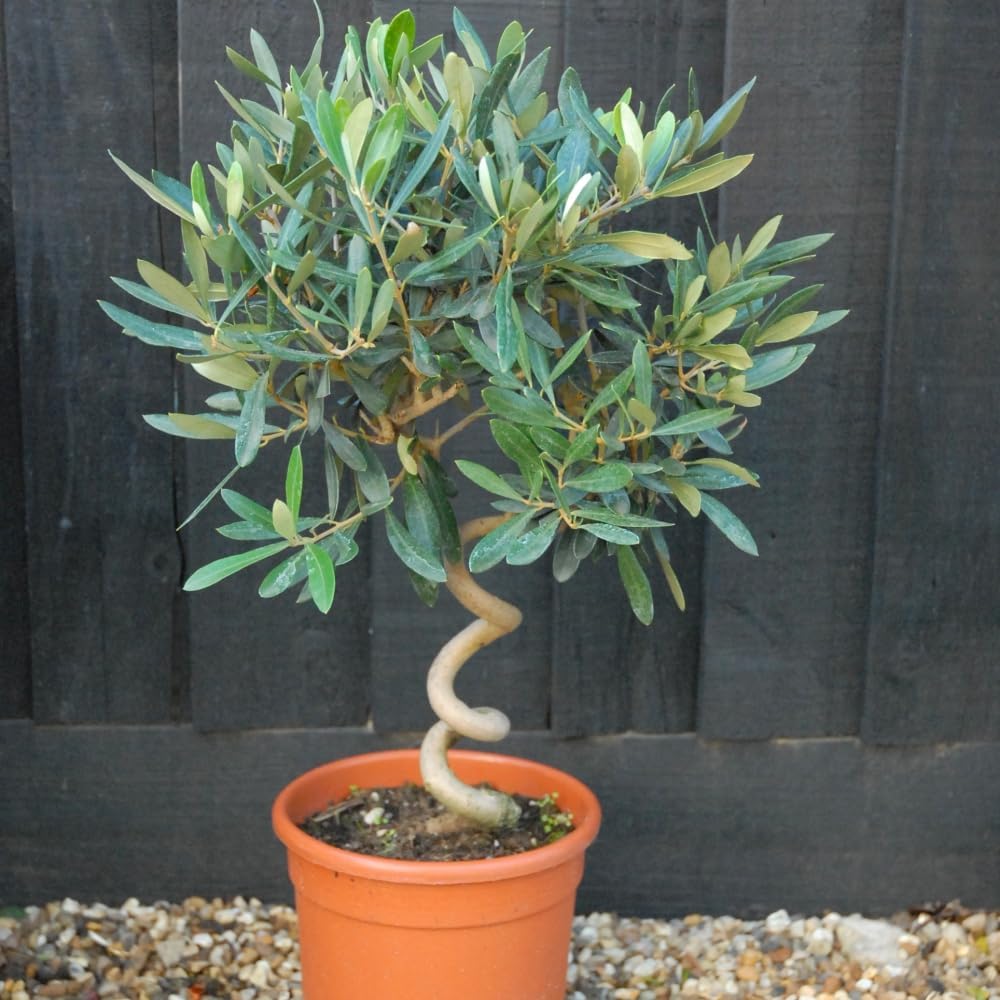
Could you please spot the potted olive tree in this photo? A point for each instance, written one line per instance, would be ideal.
(412, 230)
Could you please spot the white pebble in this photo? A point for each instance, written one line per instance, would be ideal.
(777, 922)
(373, 816)
(821, 941)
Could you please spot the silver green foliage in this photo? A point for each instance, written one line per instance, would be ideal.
(416, 227)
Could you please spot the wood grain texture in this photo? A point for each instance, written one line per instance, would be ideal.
(261, 663)
(15, 626)
(611, 673)
(103, 560)
(689, 826)
(784, 636)
(934, 649)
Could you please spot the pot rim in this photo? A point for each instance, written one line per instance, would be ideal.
(437, 872)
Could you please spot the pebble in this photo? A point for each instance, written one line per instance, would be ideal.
(242, 949)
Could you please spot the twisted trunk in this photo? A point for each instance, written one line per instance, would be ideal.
(494, 618)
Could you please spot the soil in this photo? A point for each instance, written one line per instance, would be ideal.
(407, 823)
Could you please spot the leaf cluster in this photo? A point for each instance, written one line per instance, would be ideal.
(419, 227)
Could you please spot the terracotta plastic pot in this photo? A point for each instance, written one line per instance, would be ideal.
(497, 929)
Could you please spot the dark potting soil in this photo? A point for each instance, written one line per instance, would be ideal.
(407, 823)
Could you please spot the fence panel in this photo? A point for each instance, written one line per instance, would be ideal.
(935, 631)
(103, 561)
(784, 636)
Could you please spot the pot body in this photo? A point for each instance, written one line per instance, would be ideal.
(496, 929)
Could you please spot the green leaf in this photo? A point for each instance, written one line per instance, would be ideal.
(602, 292)
(150, 189)
(705, 178)
(209, 497)
(372, 480)
(773, 366)
(651, 246)
(421, 514)
(284, 521)
(487, 479)
(435, 482)
(172, 290)
(222, 568)
(612, 533)
(729, 524)
(423, 356)
(611, 393)
(521, 409)
(731, 467)
(200, 427)
(550, 441)
(229, 370)
(643, 386)
(566, 361)
(293, 481)
(534, 543)
(495, 89)
(721, 123)
(247, 510)
(403, 24)
(345, 449)
(687, 495)
(793, 250)
(251, 424)
(514, 443)
(640, 595)
(493, 548)
(507, 331)
(286, 574)
(697, 420)
(424, 162)
(156, 334)
(787, 328)
(602, 478)
(418, 558)
(582, 446)
(825, 320)
(443, 260)
(598, 512)
(663, 557)
(470, 39)
(322, 579)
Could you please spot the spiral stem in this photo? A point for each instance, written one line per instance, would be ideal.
(495, 618)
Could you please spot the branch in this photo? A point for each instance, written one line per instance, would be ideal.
(495, 618)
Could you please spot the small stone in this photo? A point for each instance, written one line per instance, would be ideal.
(777, 922)
(170, 951)
(874, 942)
(821, 941)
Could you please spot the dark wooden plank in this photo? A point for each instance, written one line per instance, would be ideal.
(935, 632)
(512, 674)
(104, 561)
(609, 672)
(820, 823)
(266, 663)
(15, 673)
(784, 635)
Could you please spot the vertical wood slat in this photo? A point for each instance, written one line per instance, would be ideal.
(513, 674)
(103, 561)
(935, 633)
(785, 635)
(15, 673)
(610, 672)
(260, 663)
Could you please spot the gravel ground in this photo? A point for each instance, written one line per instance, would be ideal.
(242, 949)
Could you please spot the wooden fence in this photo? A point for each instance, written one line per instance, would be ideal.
(821, 729)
